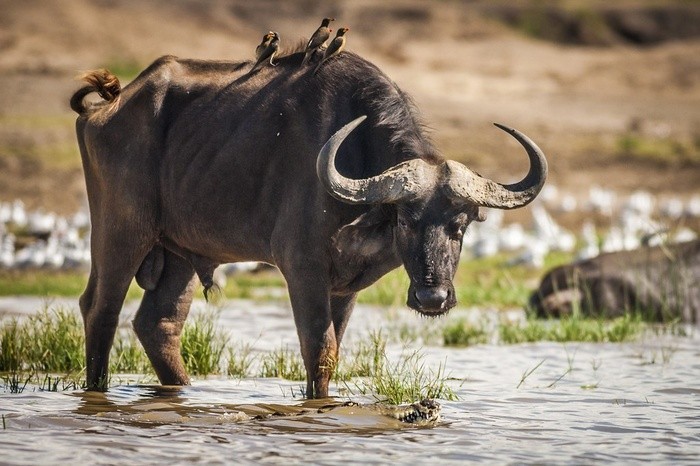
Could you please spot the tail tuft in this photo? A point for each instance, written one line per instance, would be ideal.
(101, 81)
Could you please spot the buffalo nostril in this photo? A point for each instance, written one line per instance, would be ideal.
(432, 297)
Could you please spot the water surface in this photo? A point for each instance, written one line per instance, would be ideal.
(585, 403)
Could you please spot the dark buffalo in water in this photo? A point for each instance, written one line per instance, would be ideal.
(197, 163)
(661, 283)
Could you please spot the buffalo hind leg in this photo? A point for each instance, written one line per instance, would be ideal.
(100, 304)
(159, 320)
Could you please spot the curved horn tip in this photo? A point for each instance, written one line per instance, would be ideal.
(354, 123)
(343, 132)
(505, 128)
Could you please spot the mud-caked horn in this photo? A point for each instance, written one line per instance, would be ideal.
(467, 185)
(404, 181)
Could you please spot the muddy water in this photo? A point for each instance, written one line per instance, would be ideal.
(581, 404)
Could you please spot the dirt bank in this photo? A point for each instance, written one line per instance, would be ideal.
(617, 111)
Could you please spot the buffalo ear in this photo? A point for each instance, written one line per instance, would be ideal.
(369, 234)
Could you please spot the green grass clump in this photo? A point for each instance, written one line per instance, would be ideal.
(54, 341)
(128, 356)
(239, 361)
(203, 345)
(367, 357)
(514, 333)
(283, 363)
(12, 351)
(406, 381)
(49, 342)
(625, 328)
(428, 332)
(573, 328)
(462, 333)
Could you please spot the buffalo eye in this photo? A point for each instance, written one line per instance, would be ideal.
(457, 230)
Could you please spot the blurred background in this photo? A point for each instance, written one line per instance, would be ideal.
(609, 90)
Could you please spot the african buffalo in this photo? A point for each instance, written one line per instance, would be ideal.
(661, 283)
(197, 163)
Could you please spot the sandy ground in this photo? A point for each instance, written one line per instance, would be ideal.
(463, 69)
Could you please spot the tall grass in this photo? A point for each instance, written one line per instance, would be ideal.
(463, 333)
(12, 350)
(427, 332)
(203, 345)
(406, 380)
(239, 361)
(54, 341)
(49, 342)
(367, 357)
(283, 363)
(573, 328)
(128, 356)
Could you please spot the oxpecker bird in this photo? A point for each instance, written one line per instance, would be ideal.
(318, 39)
(263, 45)
(336, 46)
(268, 52)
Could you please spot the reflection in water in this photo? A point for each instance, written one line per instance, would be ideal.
(140, 406)
(585, 403)
(153, 406)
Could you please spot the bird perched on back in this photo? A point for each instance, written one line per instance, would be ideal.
(336, 46)
(263, 45)
(269, 52)
(318, 39)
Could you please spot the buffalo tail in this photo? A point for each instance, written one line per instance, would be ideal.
(101, 81)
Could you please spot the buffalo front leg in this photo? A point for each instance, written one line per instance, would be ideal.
(341, 309)
(317, 337)
(159, 320)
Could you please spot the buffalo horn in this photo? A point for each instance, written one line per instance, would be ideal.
(465, 184)
(403, 181)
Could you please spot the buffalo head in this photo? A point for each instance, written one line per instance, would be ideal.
(434, 204)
